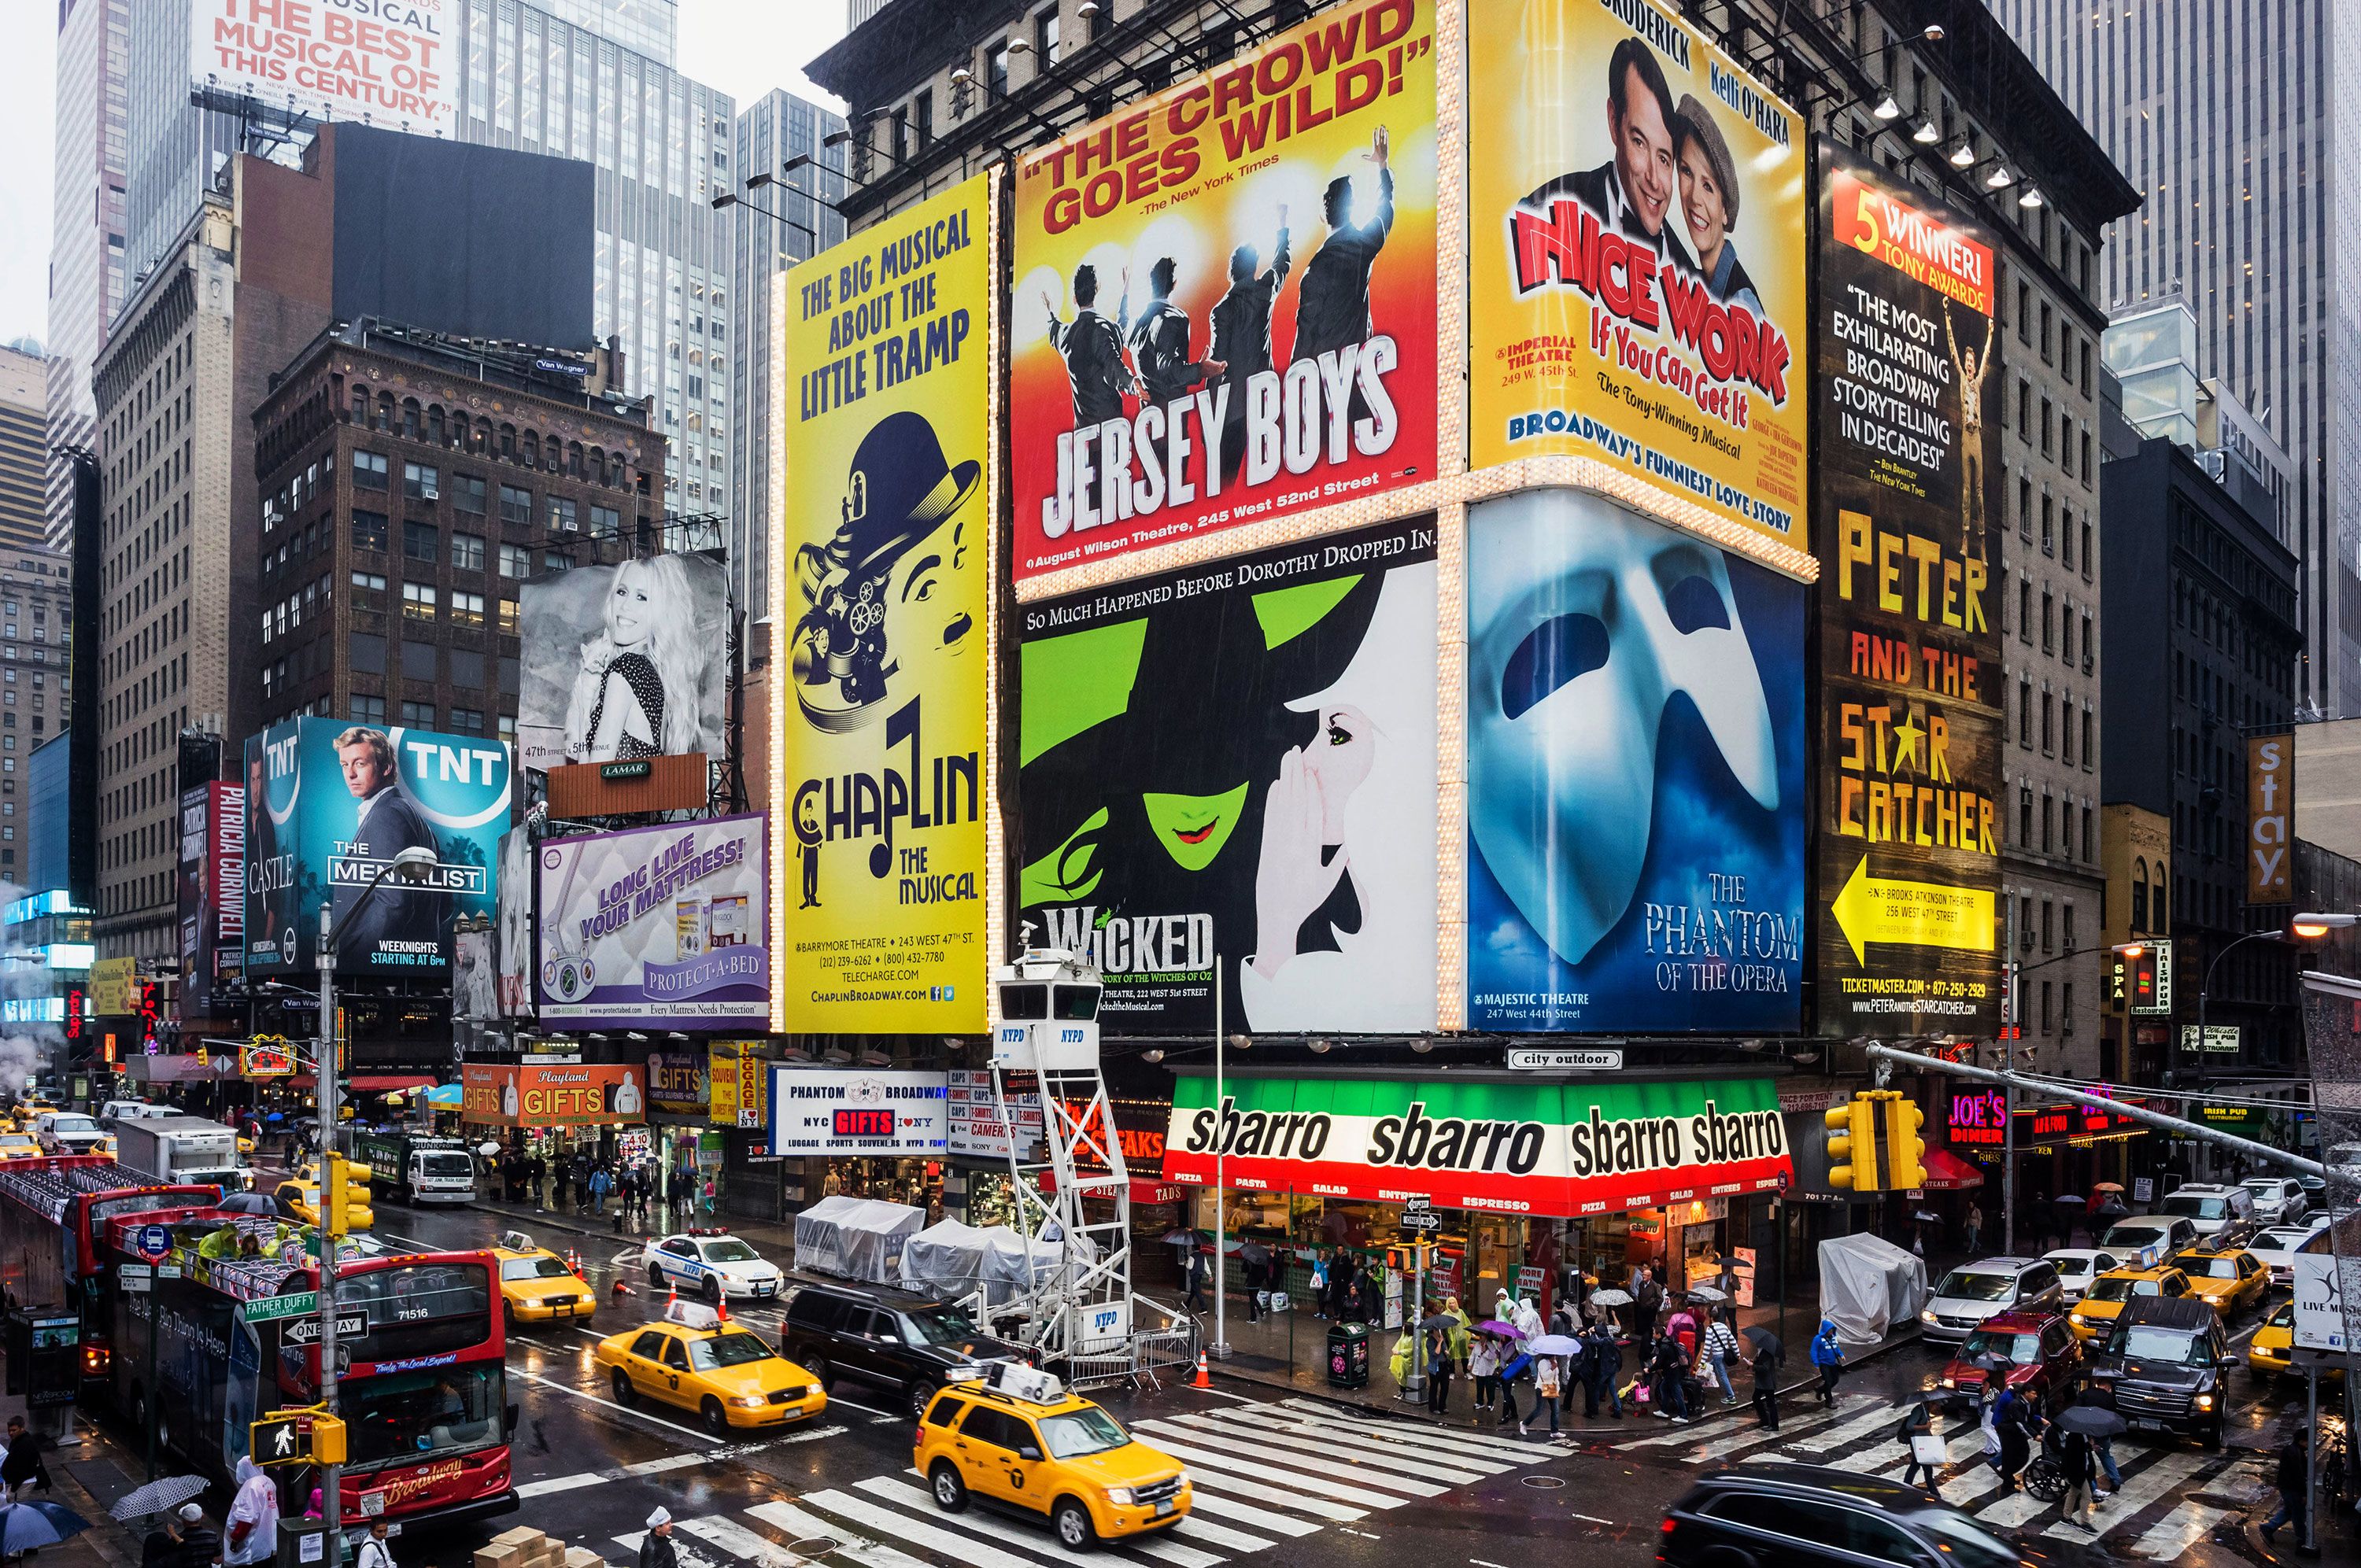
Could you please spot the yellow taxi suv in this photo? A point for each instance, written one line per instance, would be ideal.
(2271, 1353)
(2231, 1280)
(2103, 1302)
(699, 1361)
(536, 1285)
(1023, 1441)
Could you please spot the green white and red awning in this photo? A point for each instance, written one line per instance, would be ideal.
(1563, 1150)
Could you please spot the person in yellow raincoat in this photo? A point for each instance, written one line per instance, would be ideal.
(1458, 1335)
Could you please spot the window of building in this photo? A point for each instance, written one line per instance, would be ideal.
(516, 505)
(2049, 824)
(418, 716)
(467, 721)
(368, 531)
(421, 542)
(2048, 622)
(516, 561)
(606, 522)
(1045, 38)
(2025, 713)
(366, 651)
(368, 590)
(369, 470)
(418, 601)
(467, 552)
(2047, 702)
(510, 621)
(362, 709)
(2048, 421)
(556, 561)
(922, 115)
(467, 493)
(467, 609)
(562, 515)
(419, 482)
(995, 70)
(2088, 761)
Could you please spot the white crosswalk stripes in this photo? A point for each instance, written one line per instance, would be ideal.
(2154, 1515)
(1262, 1475)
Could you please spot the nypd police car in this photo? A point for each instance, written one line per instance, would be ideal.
(713, 1263)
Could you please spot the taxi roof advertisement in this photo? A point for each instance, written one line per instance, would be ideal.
(1636, 232)
(1223, 307)
(1910, 658)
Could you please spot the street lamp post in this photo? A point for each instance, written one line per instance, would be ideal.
(2008, 1090)
(409, 866)
(2304, 930)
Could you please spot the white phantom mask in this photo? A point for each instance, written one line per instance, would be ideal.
(1584, 619)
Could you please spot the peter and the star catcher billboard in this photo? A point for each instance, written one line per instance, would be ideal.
(1909, 506)
(329, 806)
(1224, 310)
(886, 562)
(1229, 777)
(1636, 216)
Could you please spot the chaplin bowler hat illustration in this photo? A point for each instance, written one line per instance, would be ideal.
(899, 490)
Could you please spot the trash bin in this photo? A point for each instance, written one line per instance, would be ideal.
(1349, 1355)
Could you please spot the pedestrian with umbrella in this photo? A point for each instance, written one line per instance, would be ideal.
(2074, 1508)
(1828, 1354)
(1603, 1303)
(1438, 1330)
(1514, 1364)
(1768, 1353)
(1602, 1359)
(159, 1496)
(1484, 1366)
(1195, 1299)
(2102, 1426)
(1668, 1370)
(1549, 1386)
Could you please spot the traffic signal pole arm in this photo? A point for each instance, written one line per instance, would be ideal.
(2141, 1114)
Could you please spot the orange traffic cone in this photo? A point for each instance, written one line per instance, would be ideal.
(1204, 1378)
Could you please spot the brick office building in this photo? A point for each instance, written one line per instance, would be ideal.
(410, 483)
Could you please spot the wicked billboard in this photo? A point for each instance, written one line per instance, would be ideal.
(1230, 771)
(1225, 306)
(1908, 505)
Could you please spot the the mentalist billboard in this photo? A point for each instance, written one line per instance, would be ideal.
(330, 805)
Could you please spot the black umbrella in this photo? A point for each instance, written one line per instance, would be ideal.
(248, 1203)
(1990, 1362)
(1766, 1339)
(1725, 1261)
(1440, 1320)
(1253, 1252)
(2092, 1421)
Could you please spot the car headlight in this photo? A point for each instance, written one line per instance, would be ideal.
(749, 1402)
(1926, 1316)
(2204, 1401)
(1182, 1478)
(2080, 1318)
(1951, 1382)
(1121, 1497)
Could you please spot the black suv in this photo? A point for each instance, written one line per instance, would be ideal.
(2165, 1366)
(1791, 1516)
(890, 1339)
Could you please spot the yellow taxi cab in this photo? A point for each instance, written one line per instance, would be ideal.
(300, 1196)
(2270, 1351)
(2230, 1281)
(701, 1361)
(2102, 1303)
(20, 1146)
(536, 1286)
(1023, 1440)
(29, 1112)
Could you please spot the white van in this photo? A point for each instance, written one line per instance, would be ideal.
(67, 1131)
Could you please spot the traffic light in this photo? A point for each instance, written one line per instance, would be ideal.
(2139, 976)
(1852, 1145)
(1905, 1150)
(337, 1195)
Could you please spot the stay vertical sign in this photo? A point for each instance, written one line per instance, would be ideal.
(2271, 817)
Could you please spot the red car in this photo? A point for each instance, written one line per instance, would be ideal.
(2043, 1353)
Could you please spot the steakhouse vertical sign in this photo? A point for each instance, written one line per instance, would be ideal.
(1225, 304)
(1910, 860)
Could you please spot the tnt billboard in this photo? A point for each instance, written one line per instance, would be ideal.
(330, 806)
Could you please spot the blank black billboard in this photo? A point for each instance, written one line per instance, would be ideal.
(472, 241)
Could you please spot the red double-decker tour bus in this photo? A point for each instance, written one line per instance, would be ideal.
(423, 1393)
(53, 1215)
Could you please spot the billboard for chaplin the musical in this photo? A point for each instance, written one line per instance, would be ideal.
(1224, 311)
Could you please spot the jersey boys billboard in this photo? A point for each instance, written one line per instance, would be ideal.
(657, 928)
(1635, 775)
(886, 552)
(1910, 657)
(1224, 310)
(1636, 209)
(329, 806)
(1230, 770)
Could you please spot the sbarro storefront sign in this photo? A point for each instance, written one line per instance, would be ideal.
(1563, 1150)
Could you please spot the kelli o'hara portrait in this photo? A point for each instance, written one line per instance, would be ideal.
(623, 662)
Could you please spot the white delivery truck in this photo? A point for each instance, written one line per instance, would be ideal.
(417, 1168)
(178, 1149)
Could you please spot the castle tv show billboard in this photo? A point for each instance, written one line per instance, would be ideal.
(1635, 775)
(329, 806)
(1223, 307)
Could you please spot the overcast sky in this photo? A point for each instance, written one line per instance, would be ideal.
(744, 47)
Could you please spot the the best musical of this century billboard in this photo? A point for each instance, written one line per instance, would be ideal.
(1224, 311)
(1908, 505)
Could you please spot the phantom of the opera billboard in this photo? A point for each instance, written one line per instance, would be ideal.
(1909, 504)
(1636, 235)
(1224, 306)
(1635, 775)
(330, 806)
(1230, 771)
(886, 562)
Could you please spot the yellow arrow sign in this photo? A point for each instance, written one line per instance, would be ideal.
(1913, 914)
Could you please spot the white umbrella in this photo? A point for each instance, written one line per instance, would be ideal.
(1709, 1293)
(1611, 1298)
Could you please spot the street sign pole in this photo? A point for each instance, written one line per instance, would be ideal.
(324, 1080)
(155, 1315)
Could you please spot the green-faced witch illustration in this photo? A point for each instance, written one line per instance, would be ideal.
(1148, 746)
